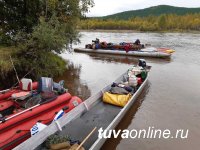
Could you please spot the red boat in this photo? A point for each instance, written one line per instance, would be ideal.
(17, 119)
(8, 93)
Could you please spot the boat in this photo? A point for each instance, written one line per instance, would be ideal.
(124, 48)
(146, 52)
(5, 94)
(93, 112)
(22, 107)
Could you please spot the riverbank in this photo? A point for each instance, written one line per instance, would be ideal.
(7, 75)
(137, 31)
(5, 64)
(163, 23)
(50, 65)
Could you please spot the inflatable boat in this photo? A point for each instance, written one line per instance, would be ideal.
(145, 52)
(124, 48)
(21, 108)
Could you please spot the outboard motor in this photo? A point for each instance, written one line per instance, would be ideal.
(59, 87)
(45, 87)
(142, 63)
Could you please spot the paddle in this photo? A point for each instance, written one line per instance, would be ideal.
(86, 138)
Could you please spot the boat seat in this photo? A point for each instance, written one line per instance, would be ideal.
(26, 84)
(21, 95)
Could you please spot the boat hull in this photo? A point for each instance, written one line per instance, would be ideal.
(142, 53)
(99, 142)
(17, 129)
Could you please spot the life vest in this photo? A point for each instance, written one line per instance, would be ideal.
(127, 47)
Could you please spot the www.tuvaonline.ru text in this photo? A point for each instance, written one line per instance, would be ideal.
(149, 133)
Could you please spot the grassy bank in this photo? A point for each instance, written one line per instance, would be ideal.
(5, 63)
(50, 65)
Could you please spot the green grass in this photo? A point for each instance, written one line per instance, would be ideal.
(5, 63)
(48, 64)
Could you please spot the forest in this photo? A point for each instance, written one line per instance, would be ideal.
(164, 22)
(33, 33)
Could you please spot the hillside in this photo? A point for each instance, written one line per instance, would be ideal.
(154, 11)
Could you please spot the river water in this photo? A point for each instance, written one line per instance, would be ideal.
(171, 99)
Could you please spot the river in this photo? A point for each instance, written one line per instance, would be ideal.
(171, 99)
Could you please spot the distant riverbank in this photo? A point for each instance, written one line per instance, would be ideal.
(163, 23)
(136, 31)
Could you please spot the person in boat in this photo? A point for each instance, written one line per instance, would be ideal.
(103, 45)
(97, 41)
(138, 45)
(96, 44)
(137, 42)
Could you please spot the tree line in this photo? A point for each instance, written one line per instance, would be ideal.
(166, 22)
(35, 31)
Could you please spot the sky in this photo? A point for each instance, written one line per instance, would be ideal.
(107, 7)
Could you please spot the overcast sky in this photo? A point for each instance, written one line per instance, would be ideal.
(107, 7)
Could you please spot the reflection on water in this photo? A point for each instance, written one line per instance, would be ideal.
(115, 59)
(125, 59)
(73, 82)
(172, 101)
